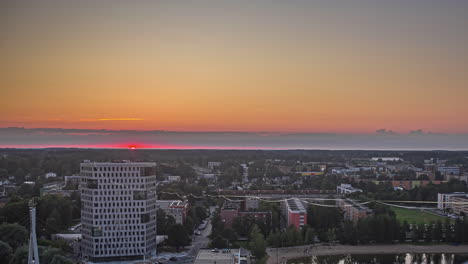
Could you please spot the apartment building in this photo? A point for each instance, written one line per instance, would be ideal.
(175, 208)
(353, 211)
(346, 189)
(460, 205)
(444, 200)
(296, 213)
(118, 212)
(233, 209)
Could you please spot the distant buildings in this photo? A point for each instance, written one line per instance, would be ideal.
(175, 208)
(213, 164)
(173, 178)
(408, 185)
(55, 188)
(118, 213)
(310, 173)
(463, 177)
(346, 189)
(50, 175)
(233, 209)
(449, 170)
(296, 213)
(386, 159)
(444, 200)
(75, 179)
(353, 211)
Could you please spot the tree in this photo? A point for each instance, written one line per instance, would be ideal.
(59, 259)
(349, 235)
(177, 236)
(6, 252)
(257, 243)
(16, 235)
(448, 231)
(437, 231)
(21, 256)
(229, 234)
(219, 242)
(309, 237)
(275, 239)
(458, 231)
(163, 222)
(403, 229)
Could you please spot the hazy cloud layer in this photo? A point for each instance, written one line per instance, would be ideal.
(385, 139)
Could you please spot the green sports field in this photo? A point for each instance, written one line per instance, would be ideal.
(415, 216)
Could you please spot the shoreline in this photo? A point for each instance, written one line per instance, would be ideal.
(280, 255)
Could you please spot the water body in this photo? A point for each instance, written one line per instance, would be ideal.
(384, 259)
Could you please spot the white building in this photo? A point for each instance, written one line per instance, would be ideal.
(173, 178)
(346, 189)
(118, 212)
(449, 170)
(386, 159)
(460, 205)
(174, 208)
(50, 175)
(213, 164)
(444, 199)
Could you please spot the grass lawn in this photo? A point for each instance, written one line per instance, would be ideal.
(415, 216)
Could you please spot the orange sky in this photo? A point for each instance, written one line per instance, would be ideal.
(219, 67)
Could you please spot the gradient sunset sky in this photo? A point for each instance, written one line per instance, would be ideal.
(346, 67)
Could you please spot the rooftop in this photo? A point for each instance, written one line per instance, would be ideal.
(295, 205)
(207, 256)
(356, 205)
(170, 203)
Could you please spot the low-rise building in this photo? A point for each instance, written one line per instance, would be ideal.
(353, 211)
(215, 256)
(386, 159)
(173, 178)
(346, 189)
(251, 204)
(460, 205)
(50, 175)
(73, 241)
(444, 200)
(296, 213)
(233, 209)
(453, 170)
(463, 177)
(74, 179)
(175, 208)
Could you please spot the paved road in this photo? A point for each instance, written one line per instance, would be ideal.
(198, 242)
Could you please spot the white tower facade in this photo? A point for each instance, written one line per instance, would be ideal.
(118, 210)
(33, 254)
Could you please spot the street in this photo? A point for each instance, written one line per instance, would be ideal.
(191, 253)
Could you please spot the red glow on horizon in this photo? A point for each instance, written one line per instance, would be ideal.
(134, 147)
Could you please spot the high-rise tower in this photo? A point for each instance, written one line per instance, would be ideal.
(118, 210)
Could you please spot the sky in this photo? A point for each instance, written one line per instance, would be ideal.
(300, 67)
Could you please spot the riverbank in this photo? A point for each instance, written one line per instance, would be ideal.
(279, 255)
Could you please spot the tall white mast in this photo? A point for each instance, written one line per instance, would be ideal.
(33, 256)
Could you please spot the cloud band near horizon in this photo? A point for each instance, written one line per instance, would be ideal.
(16, 137)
